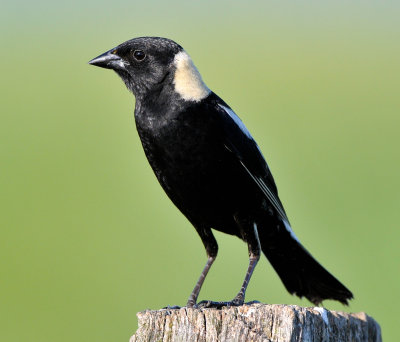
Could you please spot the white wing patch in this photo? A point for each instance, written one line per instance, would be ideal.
(187, 79)
(237, 120)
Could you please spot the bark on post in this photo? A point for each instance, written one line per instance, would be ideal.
(256, 322)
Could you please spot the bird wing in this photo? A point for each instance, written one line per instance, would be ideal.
(238, 140)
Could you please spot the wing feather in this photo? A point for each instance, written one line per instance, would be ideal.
(240, 142)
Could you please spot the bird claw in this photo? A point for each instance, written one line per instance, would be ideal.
(173, 307)
(209, 304)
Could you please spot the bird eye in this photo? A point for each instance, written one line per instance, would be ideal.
(139, 55)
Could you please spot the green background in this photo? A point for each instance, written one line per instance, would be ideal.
(88, 237)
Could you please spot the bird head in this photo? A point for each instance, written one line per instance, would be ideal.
(149, 64)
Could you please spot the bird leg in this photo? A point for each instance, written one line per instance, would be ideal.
(195, 293)
(239, 299)
(211, 246)
(253, 243)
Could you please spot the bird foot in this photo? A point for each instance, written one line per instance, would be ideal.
(208, 304)
(173, 307)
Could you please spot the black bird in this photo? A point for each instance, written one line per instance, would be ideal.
(211, 168)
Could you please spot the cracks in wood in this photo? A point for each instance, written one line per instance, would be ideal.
(256, 322)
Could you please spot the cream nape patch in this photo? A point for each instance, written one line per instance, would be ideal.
(187, 79)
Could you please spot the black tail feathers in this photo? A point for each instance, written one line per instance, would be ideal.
(301, 274)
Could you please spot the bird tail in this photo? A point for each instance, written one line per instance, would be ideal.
(301, 274)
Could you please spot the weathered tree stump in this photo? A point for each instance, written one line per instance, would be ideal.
(256, 322)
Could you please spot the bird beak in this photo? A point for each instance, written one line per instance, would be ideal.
(109, 60)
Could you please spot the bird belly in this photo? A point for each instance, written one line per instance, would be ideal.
(203, 181)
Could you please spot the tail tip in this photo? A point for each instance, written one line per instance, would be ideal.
(343, 298)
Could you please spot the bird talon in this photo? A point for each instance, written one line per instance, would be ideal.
(209, 304)
(191, 305)
(253, 302)
(237, 301)
(173, 307)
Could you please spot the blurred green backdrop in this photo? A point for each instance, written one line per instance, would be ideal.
(88, 237)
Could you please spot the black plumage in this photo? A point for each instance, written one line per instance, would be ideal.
(211, 168)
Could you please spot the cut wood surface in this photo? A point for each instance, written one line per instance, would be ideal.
(256, 322)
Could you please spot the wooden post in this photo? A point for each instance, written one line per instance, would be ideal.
(256, 322)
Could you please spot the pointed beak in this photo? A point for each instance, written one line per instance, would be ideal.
(109, 60)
